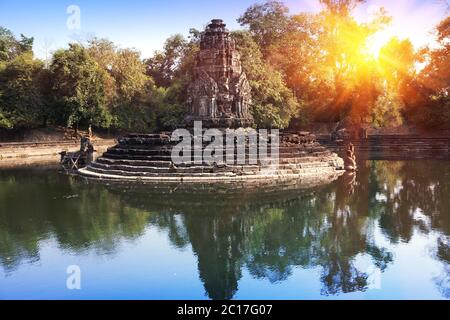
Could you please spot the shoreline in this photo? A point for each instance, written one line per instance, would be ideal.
(27, 154)
(394, 147)
(35, 153)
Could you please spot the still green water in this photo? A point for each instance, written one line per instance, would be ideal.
(383, 235)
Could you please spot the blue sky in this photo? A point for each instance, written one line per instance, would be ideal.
(145, 25)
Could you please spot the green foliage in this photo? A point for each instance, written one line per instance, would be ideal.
(129, 74)
(267, 22)
(10, 47)
(386, 111)
(301, 67)
(273, 103)
(135, 118)
(21, 101)
(171, 109)
(172, 71)
(125, 73)
(78, 88)
(121, 94)
(162, 67)
(428, 101)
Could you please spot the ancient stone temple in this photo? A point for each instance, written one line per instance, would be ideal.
(220, 93)
(219, 96)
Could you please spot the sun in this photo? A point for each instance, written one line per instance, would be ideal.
(376, 42)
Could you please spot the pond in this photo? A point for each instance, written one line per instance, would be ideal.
(382, 234)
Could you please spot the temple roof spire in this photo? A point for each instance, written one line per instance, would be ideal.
(219, 94)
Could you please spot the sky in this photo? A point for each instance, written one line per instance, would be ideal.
(145, 24)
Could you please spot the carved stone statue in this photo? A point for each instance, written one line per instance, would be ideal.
(220, 93)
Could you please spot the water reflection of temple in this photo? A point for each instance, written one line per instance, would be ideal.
(268, 233)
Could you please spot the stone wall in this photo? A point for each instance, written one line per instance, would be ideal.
(394, 147)
(37, 152)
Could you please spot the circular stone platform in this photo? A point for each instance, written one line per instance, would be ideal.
(147, 158)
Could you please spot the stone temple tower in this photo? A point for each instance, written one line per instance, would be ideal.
(219, 94)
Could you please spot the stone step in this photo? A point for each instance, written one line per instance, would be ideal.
(310, 170)
(137, 163)
(151, 156)
(166, 158)
(167, 164)
(209, 169)
(168, 150)
(185, 169)
(157, 174)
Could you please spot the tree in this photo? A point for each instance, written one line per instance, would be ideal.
(341, 7)
(129, 90)
(10, 47)
(163, 66)
(397, 59)
(428, 101)
(344, 68)
(386, 112)
(129, 73)
(125, 73)
(321, 57)
(21, 100)
(273, 103)
(104, 53)
(78, 88)
(267, 22)
(172, 71)
(22, 104)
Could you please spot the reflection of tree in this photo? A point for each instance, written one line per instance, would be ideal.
(416, 199)
(443, 253)
(308, 234)
(218, 244)
(49, 205)
(413, 188)
(268, 233)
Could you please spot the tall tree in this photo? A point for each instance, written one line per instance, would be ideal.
(78, 88)
(321, 57)
(428, 96)
(21, 101)
(163, 66)
(125, 73)
(273, 103)
(10, 47)
(104, 52)
(267, 22)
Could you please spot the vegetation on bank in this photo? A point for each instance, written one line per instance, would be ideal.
(302, 68)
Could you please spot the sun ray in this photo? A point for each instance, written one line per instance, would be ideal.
(377, 41)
